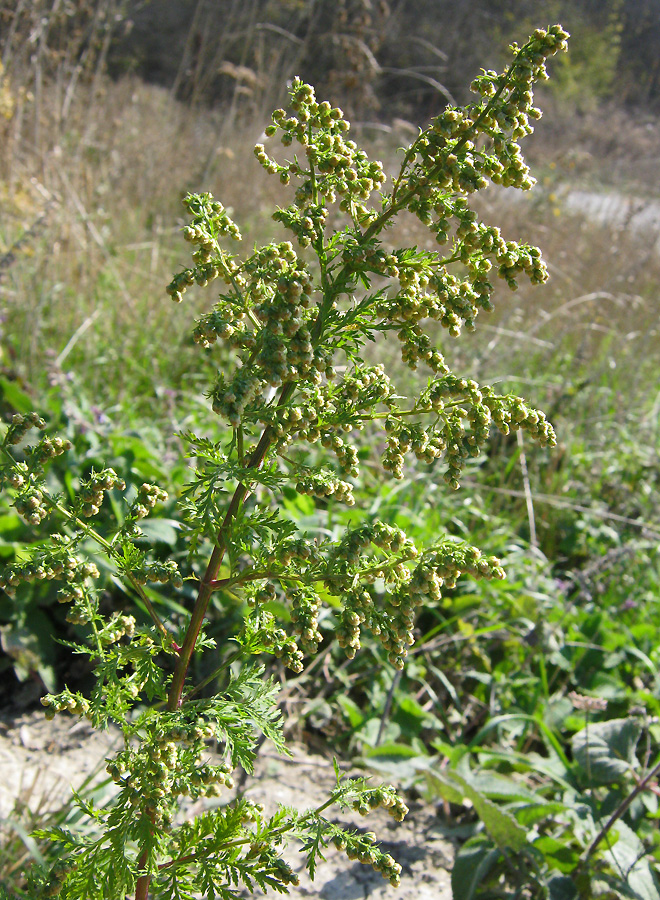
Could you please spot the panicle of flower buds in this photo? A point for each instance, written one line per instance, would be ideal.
(93, 490)
(20, 425)
(362, 846)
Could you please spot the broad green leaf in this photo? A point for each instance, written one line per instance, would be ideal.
(351, 710)
(560, 887)
(441, 786)
(370, 732)
(500, 824)
(412, 716)
(530, 813)
(499, 787)
(558, 854)
(15, 397)
(164, 531)
(551, 766)
(628, 856)
(473, 863)
(547, 733)
(605, 751)
(396, 761)
(391, 750)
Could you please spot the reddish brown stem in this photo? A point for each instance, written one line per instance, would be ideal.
(211, 574)
(142, 886)
(202, 602)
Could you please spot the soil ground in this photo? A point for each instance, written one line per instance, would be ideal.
(40, 761)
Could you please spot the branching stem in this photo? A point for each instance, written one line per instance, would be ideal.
(616, 815)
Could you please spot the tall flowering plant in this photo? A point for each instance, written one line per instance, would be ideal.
(295, 316)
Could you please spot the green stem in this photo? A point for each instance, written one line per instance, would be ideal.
(192, 857)
(395, 206)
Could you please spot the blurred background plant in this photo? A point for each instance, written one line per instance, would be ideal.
(109, 113)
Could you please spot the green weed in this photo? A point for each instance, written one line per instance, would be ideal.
(295, 330)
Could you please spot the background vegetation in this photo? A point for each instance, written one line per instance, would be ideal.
(536, 698)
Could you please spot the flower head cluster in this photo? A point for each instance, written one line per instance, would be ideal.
(31, 506)
(324, 413)
(269, 325)
(93, 490)
(465, 413)
(46, 567)
(20, 425)
(361, 846)
(359, 610)
(384, 796)
(25, 476)
(161, 572)
(148, 496)
(115, 628)
(210, 222)
(363, 388)
(443, 566)
(447, 155)
(65, 702)
(277, 869)
(340, 168)
(348, 552)
(271, 638)
(45, 450)
(351, 572)
(154, 774)
(324, 484)
(305, 608)
(298, 548)
(402, 437)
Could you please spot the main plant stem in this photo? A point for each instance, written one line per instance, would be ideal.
(142, 886)
(200, 607)
(206, 586)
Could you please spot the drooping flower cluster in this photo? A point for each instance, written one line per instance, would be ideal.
(56, 564)
(210, 222)
(20, 425)
(384, 796)
(362, 846)
(465, 413)
(148, 496)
